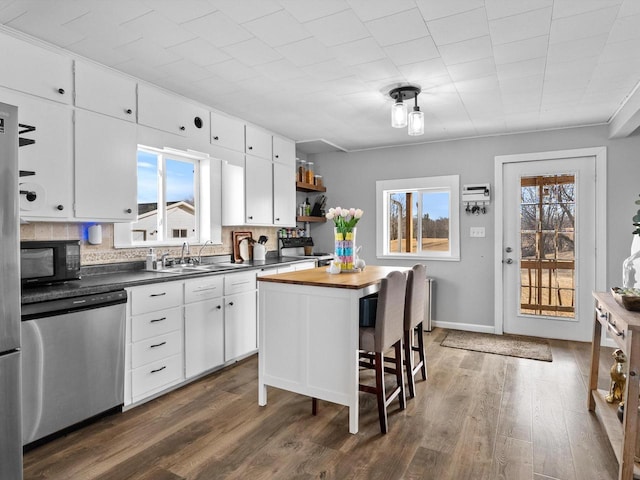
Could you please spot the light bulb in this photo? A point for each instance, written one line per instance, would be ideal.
(416, 122)
(399, 114)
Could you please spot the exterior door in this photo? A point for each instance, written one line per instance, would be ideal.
(549, 247)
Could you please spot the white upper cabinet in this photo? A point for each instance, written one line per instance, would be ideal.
(172, 114)
(284, 151)
(47, 195)
(106, 168)
(104, 91)
(227, 132)
(257, 142)
(35, 70)
(284, 195)
(258, 191)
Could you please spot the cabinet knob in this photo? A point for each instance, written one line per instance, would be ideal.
(182, 128)
(278, 219)
(277, 156)
(250, 148)
(215, 138)
(231, 304)
(61, 91)
(128, 111)
(250, 218)
(128, 210)
(60, 207)
(218, 307)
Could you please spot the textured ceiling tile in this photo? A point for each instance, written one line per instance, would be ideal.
(338, 28)
(10, 10)
(521, 50)
(99, 51)
(475, 69)
(53, 33)
(182, 11)
(218, 29)
(330, 70)
(412, 51)
(583, 25)
(372, 9)
(429, 69)
(525, 68)
(277, 29)
(520, 27)
(522, 85)
(199, 52)
(629, 7)
(157, 28)
(574, 49)
(252, 52)
(433, 9)
(507, 8)
(184, 70)
(140, 69)
(246, 10)
(398, 28)
(93, 25)
(568, 8)
(359, 51)
(457, 28)
(378, 70)
(280, 70)
(307, 10)
(305, 52)
(625, 28)
(232, 70)
(467, 50)
(148, 53)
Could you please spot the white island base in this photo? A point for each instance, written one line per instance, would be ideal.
(308, 334)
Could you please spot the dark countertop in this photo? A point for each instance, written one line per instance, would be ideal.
(109, 278)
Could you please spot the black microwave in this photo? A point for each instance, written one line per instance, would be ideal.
(43, 262)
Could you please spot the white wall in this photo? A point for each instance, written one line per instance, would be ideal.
(464, 292)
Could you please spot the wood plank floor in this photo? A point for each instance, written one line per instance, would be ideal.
(478, 416)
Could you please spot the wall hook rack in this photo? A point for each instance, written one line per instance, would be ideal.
(476, 198)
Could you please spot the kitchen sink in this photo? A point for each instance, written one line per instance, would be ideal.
(181, 269)
(212, 267)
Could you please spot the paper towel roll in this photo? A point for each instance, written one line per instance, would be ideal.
(32, 204)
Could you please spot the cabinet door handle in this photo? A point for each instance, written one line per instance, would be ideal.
(60, 207)
(612, 326)
(251, 217)
(158, 345)
(250, 148)
(215, 138)
(600, 313)
(182, 128)
(158, 320)
(231, 304)
(61, 91)
(218, 307)
(158, 294)
(277, 156)
(278, 219)
(128, 210)
(158, 369)
(128, 111)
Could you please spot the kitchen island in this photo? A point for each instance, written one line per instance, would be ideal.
(308, 333)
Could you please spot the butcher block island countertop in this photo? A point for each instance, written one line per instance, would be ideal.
(308, 333)
(319, 277)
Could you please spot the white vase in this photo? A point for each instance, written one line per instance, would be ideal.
(631, 266)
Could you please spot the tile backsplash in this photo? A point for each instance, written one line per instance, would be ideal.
(106, 253)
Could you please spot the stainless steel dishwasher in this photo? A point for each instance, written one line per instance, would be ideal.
(72, 361)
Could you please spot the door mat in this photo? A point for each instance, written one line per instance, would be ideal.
(510, 345)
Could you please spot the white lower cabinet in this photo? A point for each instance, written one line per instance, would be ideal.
(154, 336)
(240, 315)
(203, 325)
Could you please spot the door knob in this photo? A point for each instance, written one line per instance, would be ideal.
(508, 261)
(508, 249)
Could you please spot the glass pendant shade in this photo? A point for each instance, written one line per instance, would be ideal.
(399, 115)
(416, 122)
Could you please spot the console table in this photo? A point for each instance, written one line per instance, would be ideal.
(624, 327)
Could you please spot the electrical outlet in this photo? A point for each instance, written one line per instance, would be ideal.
(477, 232)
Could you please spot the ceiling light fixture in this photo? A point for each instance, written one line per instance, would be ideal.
(399, 110)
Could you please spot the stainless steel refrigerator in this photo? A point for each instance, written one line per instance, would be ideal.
(10, 403)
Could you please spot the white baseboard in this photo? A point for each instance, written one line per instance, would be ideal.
(469, 327)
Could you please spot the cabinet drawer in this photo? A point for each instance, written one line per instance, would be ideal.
(203, 289)
(154, 375)
(239, 282)
(155, 297)
(155, 323)
(155, 349)
(615, 326)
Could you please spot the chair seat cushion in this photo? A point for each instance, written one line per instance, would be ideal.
(367, 339)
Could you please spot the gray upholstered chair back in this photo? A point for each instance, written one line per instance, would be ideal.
(416, 296)
(390, 311)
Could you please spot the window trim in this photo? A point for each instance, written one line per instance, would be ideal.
(450, 183)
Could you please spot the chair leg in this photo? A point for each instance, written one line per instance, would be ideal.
(400, 374)
(422, 354)
(380, 391)
(314, 406)
(408, 358)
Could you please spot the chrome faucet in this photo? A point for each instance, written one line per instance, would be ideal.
(185, 244)
(202, 248)
(163, 259)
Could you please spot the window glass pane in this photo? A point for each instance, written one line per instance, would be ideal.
(435, 221)
(180, 198)
(146, 228)
(397, 217)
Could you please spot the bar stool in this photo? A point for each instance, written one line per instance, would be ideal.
(414, 309)
(374, 341)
